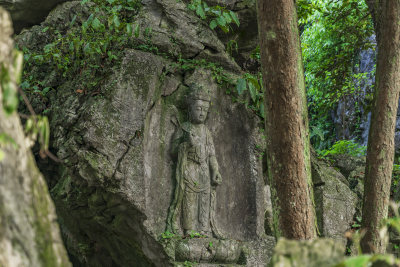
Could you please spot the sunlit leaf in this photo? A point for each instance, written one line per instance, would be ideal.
(241, 86)
(253, 91)
(213, 24)
(234, 18)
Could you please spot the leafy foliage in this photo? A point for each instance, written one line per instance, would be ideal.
(167, 235)
(334, 34)
(252, 84)
(218, 16)
(189, 264)
(306, 9)
(348, 147)
(218, 73)
(84, 49)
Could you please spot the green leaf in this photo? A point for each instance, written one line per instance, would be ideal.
(225, 29)
(234, 18)
(129, 28)
(316, 131)
(25, 85)
(10, 97)
(86, 48)
(2, 154)
(96, 24)
(116, 21)
(84, 26)
(90, 18)
(46, 90)
(38, 58)
(72, 21)
(200, 12)
(137, 30)
(205, 6)
(241, 86)
(227, 17)
(18, 61)
(262, 111)
(253, 91)
(213, 24)
(47, 48)
(191, 6)
(221, 21)
(44, 132)
(215, 11)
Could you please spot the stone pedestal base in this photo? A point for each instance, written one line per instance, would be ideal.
(208, 252)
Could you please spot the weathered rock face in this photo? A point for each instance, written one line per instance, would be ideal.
(119, 177)
(117, 182)
(315, 253)
(335, 203)
(29, 234)
(337, 198)
(26, 13)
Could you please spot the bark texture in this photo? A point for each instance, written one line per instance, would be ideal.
(288, 148)
(380, 153)
(29, 234)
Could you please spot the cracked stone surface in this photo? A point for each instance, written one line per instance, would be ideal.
(335, 202)
(118, 173)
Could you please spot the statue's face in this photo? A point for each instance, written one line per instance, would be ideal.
(198, 111)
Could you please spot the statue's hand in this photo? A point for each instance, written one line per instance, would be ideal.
(190, 138)
(217, 179)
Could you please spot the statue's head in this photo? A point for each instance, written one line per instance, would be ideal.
(198, 102)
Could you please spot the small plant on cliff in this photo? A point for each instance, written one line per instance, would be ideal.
(218, 16)
(189, 264)
(167, 235)
(348, 147)
(194, 234)
(86, 48)
(253, 84)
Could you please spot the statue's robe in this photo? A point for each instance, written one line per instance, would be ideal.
(194, 195)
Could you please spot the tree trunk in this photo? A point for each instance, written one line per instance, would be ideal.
(380, 153)
(288, 149)
(29, 234)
